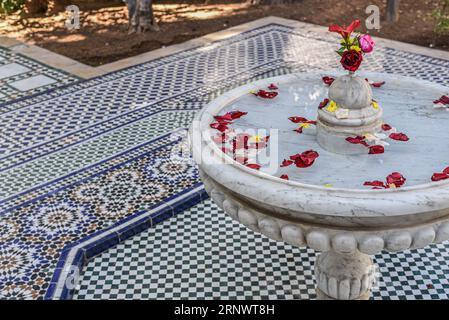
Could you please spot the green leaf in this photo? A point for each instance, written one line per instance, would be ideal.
(341, 50)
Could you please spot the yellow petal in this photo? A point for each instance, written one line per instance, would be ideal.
(305, 125)
(256, 138)
(356, 48)
(328, 185)
(332, 107)
(392, 185)
(375, 105)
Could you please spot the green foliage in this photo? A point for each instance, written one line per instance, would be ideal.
(441, 15)
(9, 6)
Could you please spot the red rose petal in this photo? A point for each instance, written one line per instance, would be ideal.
(375, 183)
(446, 171)
(399, 136)
(273, 87)
(297, 119)
(254, 166)
(440, 176)
(323, 103)
(237, 114)
(284, 176)
(286, 163)
(266, 94)
(357, 140)
(224, 118)
(396, 178)
(443, 100)
(377, 149)
(219, 126)
(386, 127)
(378, 84)
(303, 163)
(305, 159)
(328, 80)
(310, 154)
(299, 130)
(295, 156)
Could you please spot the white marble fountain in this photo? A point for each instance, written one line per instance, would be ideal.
(326, 206)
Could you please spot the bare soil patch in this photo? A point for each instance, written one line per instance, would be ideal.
(103, 36)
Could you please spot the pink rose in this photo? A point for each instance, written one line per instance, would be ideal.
(366, 43)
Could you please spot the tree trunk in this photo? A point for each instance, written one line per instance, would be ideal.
(35, 6)
(141, 16)
(392, 10)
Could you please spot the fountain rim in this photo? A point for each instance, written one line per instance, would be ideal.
(215, 106)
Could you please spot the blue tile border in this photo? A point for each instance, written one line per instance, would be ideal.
(109, 238)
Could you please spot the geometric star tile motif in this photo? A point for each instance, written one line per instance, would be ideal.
(21, 77)
(204, 254)
(34, 233)
(61, 139)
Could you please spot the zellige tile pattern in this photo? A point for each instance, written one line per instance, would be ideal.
(78, 163)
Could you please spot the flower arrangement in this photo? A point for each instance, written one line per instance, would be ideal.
(352, 48)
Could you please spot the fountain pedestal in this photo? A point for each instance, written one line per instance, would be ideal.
(355, 115)
(344, 276)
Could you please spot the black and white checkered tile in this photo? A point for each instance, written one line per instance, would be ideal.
(204, 254)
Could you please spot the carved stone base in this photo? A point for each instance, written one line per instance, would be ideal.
(355, 116)
(320, 295)
(344, 276)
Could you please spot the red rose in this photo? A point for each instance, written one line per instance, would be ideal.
(351, 60)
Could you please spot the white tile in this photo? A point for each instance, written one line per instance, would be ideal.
(1, 95)
(32, 82)
(11, 69)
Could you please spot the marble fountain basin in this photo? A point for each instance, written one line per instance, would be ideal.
(326, 206)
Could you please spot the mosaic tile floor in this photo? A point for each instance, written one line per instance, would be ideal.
(21, 77)
(89, 165)
(204, 254)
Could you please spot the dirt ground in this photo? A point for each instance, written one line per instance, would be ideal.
(103, 35)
